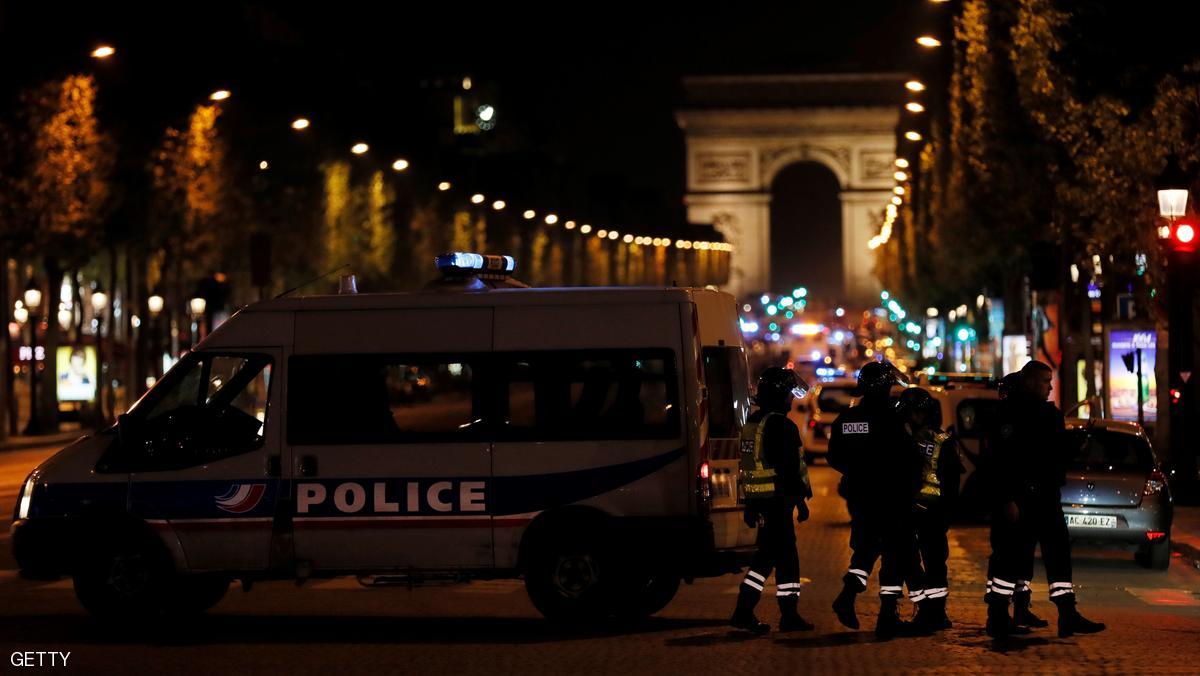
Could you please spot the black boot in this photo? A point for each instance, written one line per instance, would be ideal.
(1022, 616)
(889, 625)
(843, 605)
(743, 614)
(999, 624)
(931, 616)
(1070, 622)
(789, 619)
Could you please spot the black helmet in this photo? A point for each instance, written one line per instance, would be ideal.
(917, 400)
(877, 377)
(1009, 384)
(777, 384)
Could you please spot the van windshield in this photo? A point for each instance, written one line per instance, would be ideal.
(728, 390)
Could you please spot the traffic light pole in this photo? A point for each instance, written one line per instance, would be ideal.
(1180, 363)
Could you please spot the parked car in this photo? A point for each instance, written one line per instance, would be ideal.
(1116, 492)
(814, 415)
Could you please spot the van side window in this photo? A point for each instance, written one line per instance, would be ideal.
(381, 399)
(606, 394)
(728, 390)
(209, 407)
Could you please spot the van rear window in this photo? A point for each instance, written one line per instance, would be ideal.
(568, 395)
(728, 390)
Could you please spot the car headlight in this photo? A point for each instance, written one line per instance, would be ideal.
(26, 499)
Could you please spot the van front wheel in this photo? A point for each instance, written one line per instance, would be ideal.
(127, 577)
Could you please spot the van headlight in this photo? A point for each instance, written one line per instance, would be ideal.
(26, 499)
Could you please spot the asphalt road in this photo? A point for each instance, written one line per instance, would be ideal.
(1154, 620)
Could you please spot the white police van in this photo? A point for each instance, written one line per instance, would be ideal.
(469, 431)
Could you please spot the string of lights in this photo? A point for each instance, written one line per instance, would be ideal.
(401, 164)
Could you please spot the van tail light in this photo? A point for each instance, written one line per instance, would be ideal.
(704, 487)
(1154, 483)
(1153, 535)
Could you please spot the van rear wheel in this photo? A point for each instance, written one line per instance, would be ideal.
(567, 578)
(650, 595)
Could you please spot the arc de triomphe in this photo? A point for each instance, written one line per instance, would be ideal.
(741, 131)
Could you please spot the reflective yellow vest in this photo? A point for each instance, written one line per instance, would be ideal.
(756, 479)
(930, 443)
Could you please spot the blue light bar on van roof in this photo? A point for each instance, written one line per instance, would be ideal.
(472, 263)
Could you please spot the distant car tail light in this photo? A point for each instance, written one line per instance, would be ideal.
(1153, 535)
(812, 424)
(1154, 483)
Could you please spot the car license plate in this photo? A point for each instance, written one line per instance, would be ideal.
(1091, 521)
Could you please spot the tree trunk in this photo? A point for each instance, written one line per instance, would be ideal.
(48, 380)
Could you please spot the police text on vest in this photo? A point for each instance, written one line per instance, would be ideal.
(856, 428)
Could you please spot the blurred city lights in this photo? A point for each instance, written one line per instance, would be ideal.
(220, 95)
(264, 165)
(529, 214)
(300, 123)
(359, 148)
(499, 205)
(912, 135)
(915, 86)
(477, 198)
(551, 219)
(901, 162)
(444, 186)
(900, 176)
(400, 165)
(929, 41)
(914, 107)
(585, 228)
(103, 52)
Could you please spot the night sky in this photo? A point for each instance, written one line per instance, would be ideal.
(585, 96)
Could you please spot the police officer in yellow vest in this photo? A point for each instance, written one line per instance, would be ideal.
(774, 483)
(922, 416)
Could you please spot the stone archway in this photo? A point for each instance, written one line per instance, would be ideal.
(806, 230)
(742, 131)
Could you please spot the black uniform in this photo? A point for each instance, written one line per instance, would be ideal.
(882, 471)
(776, 538)
(1028, 468)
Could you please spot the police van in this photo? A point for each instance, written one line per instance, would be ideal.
(469, 431)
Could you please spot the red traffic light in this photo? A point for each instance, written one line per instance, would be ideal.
(1185, 233)
(1183, 237)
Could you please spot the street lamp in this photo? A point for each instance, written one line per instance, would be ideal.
(155, 304)
(929, 41)
(197, 305)
(300, 123)
(103, 52)
(359, 148)
(400, 165)
(33, 301)
(219, 95)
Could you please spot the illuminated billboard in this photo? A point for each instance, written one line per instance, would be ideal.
(1122, 382)
(76, 373)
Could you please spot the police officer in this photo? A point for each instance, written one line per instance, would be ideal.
(1023, 617)
(1028, 469)
(881, 471)
(774, 479)
(922, 416)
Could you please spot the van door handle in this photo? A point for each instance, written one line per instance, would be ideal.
(308, 465)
